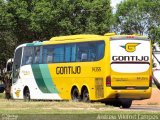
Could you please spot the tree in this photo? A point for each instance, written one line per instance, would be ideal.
(7, 38)
(153, 9)
(24, 21)
(131, 18)
(42, 19)
(140, 17)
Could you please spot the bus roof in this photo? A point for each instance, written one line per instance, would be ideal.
(132, 37)
(84, 37)
(74, 37)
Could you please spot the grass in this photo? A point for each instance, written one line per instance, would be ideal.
(58, 107)
(2, 96)
(48, 107)
(59, 110)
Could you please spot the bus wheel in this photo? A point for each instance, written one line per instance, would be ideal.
(75, 94)
(126, 103)
(26, 95)
(85, 95)
(115, 103)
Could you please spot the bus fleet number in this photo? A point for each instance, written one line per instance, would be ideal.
(96, 69)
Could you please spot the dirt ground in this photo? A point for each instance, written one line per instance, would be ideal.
(154, 100)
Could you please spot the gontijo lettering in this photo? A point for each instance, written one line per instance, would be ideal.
(68, 70)
(130, 58)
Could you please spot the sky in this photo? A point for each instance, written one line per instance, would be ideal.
(114, 3)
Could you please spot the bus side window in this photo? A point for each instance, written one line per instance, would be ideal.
(49, 57)
(92, 56)
(84, 57)
(96, 50)
(59, 53)
(44, 55)
(29, 60)
(82, 52)
(70, 53)
(73, 53)
(37, 55)
(17, 64)
(47, 53)
(92, 51)
(100, 50)
(27, 55)
(67, 53)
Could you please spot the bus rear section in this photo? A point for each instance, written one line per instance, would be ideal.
(130, 62)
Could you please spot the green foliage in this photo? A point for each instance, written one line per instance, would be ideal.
(42, 19)
(139, 16)
(131, 18)
(153, 9)
(7, 38)
(29, 20)
(65, 17)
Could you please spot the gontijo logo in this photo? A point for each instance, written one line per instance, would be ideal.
(130, 47)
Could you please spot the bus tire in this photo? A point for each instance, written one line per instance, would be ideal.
(75, 94)
(26, 95)
(85, 95)
(115, 103)
(126, 103)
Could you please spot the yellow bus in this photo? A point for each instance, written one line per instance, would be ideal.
(106, 68)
